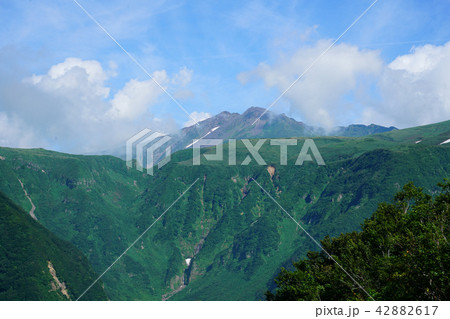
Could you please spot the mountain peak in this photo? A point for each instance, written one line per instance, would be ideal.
(254, 109)
(255, 112)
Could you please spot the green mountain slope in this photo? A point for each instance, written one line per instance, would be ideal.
(85, 200)
(36, 265)
(328, 200)
(356, 130)
(432, 134)
(225, 232)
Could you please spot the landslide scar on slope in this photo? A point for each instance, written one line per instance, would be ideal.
(271, 170)
(33, 207)
(56, 284)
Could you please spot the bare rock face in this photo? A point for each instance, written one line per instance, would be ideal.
(56, 284)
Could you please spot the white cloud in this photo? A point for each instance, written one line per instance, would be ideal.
(198, 116)
(70, 109)
(421, 59)
(415, 88)
(137, 96)
(74, 74)
(318, 95)
(350, 84)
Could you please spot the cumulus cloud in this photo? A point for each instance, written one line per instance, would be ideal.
(350, 84)
(67, 75)
(135, 98)
(318, 94)
(414, 88)
(198, 116)
(70, 108)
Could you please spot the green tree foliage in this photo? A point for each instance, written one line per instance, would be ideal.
(402, 253)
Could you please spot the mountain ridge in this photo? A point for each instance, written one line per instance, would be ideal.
(256, 122)
(278, 125)
(227, 125)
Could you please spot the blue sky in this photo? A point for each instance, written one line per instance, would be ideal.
(65, 85)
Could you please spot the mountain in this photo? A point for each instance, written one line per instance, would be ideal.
(234, 125)
(256, 123)
(270, 125)
(225, 231)
(355, 130)
(36, 265)
(226, 125)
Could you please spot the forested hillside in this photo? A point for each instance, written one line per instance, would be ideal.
(36, 265)
(225, 232)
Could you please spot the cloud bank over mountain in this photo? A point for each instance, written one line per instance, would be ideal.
(71, 104)
(351, 82)
(414, 88)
